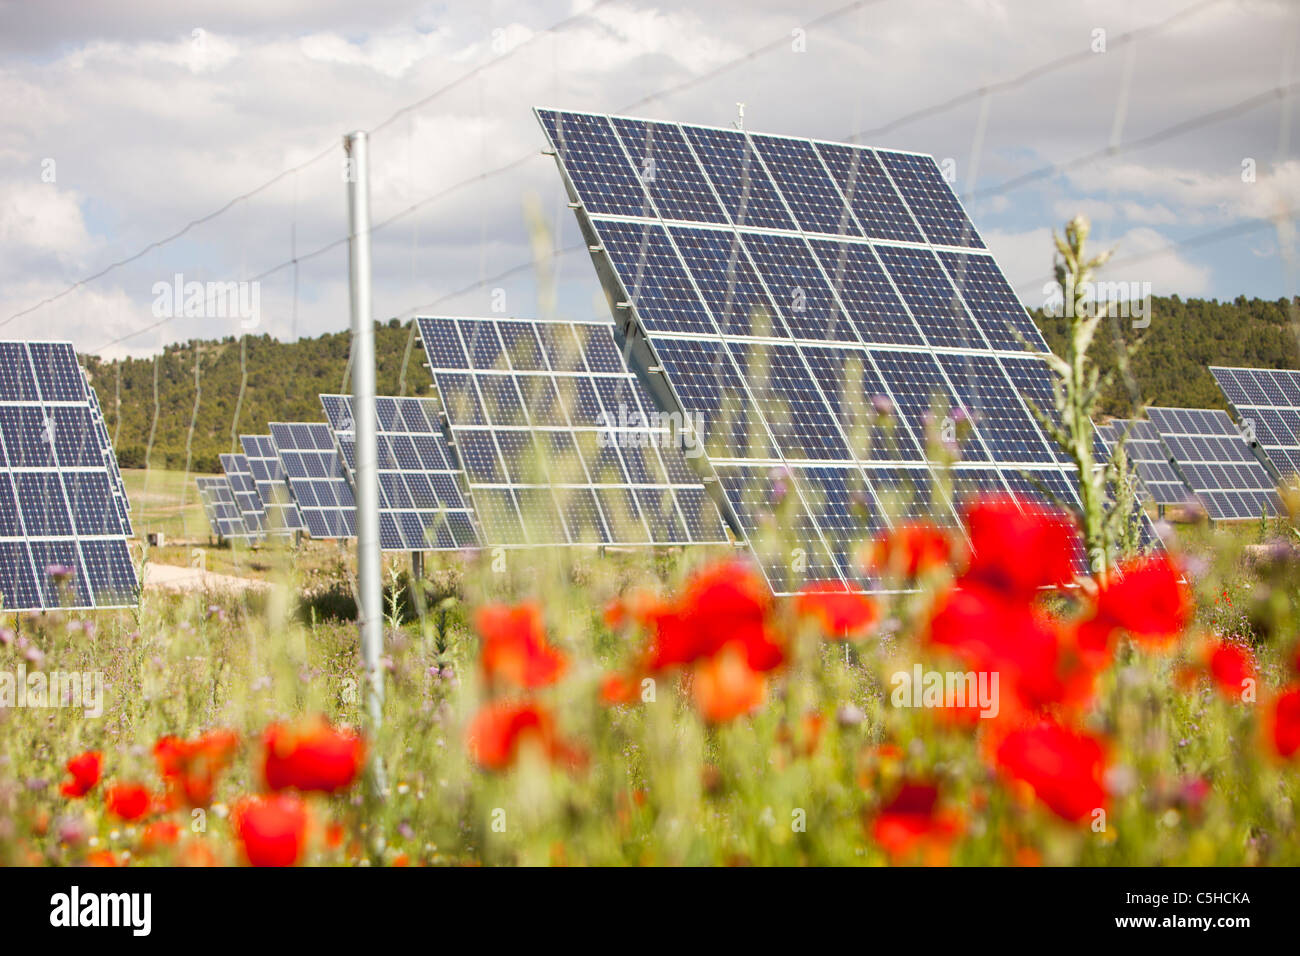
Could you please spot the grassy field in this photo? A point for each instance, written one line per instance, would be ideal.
(167, 502)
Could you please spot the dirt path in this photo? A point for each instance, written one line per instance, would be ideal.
(170, 577)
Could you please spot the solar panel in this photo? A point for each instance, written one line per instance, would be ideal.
(1267, 404)
(223, 514)
(1150, 459)
(422, 501)
(244, 489)
(829, 310)
(1216, 462)
(560, 442)
(120, 497)
(62, 530)
(316, 478)
(282, 515)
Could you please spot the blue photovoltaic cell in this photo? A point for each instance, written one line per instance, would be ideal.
(897, 333)
(795, 281)
(244, 489)
(728, 282)
(930, 297)
(872, 196)
(790, 401)
(669, 171)
(416, 513)
(282, 516)
(1000, 420)
(563, 451)
(808, 189)
(729, 159)
(709, 384)
(1267, 404)
(931, 200)
(657, 282)
(587, 146)
(875, 309)
(1216, 462)
(1150, 459)
(223, 514)
(993, 302)
(857, 396)
(63, 514)
(316, 478)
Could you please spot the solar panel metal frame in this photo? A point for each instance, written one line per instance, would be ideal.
(413, 453)
(316, 478)
(283, 518)
(1266, 402)
(58, 487)
(612, 475)
(1216, 462)
(898, 318)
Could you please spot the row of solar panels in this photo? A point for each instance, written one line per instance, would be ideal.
(815, 318)
(1181, 453)
(64, 513)
(541, 434)
(566, 452)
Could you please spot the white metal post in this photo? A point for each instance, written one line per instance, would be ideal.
(370, 610)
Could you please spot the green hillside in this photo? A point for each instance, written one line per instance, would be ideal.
(1182, 339)
(285, 378)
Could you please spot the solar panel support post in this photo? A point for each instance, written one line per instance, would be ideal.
(370, 610)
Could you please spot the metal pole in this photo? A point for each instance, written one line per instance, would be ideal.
(370, 610)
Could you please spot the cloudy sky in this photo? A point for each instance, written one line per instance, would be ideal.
(1167, 122)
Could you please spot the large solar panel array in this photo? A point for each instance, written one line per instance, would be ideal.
(282, 515)
(316, 479)
(787, 289)
(244, 489)
(1216, 462)
(1149, 458)
(224, 516)
(1267, 403)
(560, 442)
(62, 534)
(422, 500)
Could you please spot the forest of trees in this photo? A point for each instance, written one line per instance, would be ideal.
(285, 378)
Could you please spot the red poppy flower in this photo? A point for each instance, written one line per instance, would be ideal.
(1284, 723)
(841, 610)
(159, 834)
(190, 767)
(1230, 665)
(129, 801)
(619, 689)
(1063, 767)
(515, 648)
(721, 604)
(85, 770)
(910, 823)
(312, 756)
(1019, 546)
(103, 858)
(272, 829)
(1030, 652)
(502, 729)
(1147, 599)
(911, 549)
(726, 687)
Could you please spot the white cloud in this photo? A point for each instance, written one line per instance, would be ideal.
(1027, 260)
